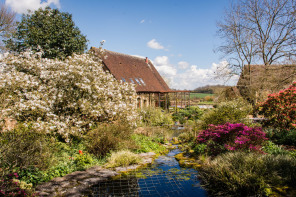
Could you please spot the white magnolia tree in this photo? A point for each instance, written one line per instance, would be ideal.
(66, 97)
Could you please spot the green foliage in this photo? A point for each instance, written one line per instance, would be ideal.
(274, 149)
(191, 113)
(123, 158)
(50, 29)
(155, 117)
(68, 157)
(282, 136)
(234, 111)
(147, 144)
(200, 149)
(25, 147)
(247, 174)
(83, 160)
(280, 108)
(292, 153)
(108, 137)
(185, 137)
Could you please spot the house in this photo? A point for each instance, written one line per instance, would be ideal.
(151, 89)
(257, 81)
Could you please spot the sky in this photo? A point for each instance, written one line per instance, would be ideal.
(178, 36)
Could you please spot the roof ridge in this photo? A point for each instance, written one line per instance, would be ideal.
(123, 54)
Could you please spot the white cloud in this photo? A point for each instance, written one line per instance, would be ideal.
(22, 6)
(183, 64)
(154, 44)
(190, 77)
(161, 60)
(164, 67)
(142, 21)
(194, 77)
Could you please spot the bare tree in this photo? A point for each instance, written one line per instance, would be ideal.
(239, 42)
(258, 32)
(7, 24)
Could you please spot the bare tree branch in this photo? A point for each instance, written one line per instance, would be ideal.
(258, 32)
(7, 24)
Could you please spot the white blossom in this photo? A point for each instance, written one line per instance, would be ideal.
(62, 96)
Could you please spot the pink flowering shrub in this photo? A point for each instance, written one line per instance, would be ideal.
(280, 108)
(231, 137)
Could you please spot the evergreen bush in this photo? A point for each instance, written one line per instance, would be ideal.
(234, 111)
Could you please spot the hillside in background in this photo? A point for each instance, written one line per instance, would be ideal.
(210, 89)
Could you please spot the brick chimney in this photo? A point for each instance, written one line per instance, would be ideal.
(146, 60)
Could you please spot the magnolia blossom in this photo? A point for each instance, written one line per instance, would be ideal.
(63, 96)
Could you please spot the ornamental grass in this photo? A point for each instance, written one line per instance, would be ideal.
(248, 174)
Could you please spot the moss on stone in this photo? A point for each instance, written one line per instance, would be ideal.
(187, 162)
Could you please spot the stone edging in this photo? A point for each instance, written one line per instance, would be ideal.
(76, 183)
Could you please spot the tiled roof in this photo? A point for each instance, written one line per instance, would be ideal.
(135, 70)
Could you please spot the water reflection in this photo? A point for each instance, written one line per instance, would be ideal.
(163, 178)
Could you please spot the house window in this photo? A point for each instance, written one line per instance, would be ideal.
(138, 81)
(142, 81)
(123, 79)
(132, 80)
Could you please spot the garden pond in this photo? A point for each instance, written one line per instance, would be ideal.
(163, 178)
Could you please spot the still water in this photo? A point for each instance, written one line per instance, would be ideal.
(164, 178)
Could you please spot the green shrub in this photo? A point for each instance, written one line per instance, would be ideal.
(82, 161)
(185, 137)
(235, 111)
(274, 149)
(247, 174)
(109, 137)
(155, 117)
(122, 158)
(292, 153)
(68, 157)
(147, 144)
(282, 136)
(200, 149)
(191, 113)
(24, 147)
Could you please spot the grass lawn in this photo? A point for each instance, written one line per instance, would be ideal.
(200, 95)
(206, 103)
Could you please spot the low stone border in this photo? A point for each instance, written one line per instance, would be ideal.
(76, 183)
